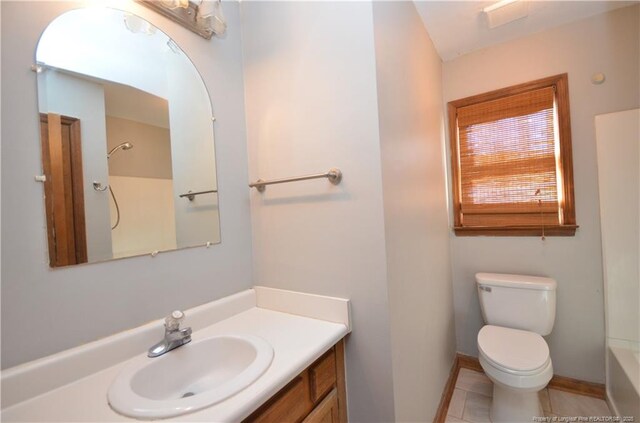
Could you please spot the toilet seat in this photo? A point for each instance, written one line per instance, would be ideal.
(513, 351)
(514, 359)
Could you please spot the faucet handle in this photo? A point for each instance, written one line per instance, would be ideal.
(172, 321)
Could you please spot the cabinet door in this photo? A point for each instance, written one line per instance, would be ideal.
(290, 405)
(326, 411)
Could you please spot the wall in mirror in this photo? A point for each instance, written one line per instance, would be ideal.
(126, 132)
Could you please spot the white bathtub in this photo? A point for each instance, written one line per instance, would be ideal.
(623, 379)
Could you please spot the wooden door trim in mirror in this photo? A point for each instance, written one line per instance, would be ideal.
(62, 167)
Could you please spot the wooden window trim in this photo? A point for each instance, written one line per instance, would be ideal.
(568, 228)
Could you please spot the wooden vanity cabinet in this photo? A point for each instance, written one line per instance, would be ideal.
(317, 395)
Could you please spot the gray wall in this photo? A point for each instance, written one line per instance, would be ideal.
(606, 43)
(310, 78)
(44, 310)
(415, 209)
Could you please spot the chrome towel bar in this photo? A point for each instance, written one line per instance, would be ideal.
(191, 195)
(333, 175)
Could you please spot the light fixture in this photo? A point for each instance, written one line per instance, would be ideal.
(498, 5)
(505, 11)
(210, 11)
(204, 17)
(174, 4)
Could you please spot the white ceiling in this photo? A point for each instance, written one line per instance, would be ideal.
(460, 27)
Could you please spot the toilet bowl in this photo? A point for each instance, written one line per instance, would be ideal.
(518, 310)
(518, 364)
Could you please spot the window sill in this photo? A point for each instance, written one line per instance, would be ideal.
(562, 230)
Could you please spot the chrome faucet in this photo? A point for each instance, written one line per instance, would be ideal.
(174, 337)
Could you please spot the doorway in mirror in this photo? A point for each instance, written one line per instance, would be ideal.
(64, 199)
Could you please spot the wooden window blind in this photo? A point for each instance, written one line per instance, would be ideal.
(509, 161)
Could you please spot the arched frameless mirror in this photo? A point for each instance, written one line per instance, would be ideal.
(127, 140)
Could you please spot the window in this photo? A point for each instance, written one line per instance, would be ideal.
(511, 161)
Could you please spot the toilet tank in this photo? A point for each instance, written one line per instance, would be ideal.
(518, 301)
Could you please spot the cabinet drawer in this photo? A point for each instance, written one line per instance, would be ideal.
(322, 375)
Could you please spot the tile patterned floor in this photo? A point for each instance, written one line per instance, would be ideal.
(472, 398)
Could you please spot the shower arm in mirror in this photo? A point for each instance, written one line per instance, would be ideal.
(203, 17)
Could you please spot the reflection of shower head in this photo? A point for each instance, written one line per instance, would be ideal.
(124, 146)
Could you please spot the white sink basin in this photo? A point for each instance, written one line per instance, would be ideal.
(189, 378)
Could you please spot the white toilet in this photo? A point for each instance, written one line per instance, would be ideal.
(517, 311)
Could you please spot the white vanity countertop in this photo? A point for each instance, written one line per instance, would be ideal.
(297, 342)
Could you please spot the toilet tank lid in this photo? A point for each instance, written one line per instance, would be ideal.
(516, 281)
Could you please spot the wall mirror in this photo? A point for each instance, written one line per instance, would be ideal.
(127, 140)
